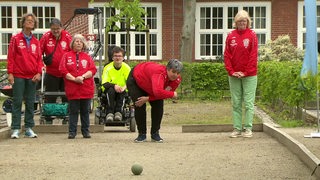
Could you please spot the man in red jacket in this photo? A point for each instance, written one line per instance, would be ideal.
(152, 82)
(55, 42)
(24, 71)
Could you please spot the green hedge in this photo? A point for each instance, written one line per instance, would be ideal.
(279, 83)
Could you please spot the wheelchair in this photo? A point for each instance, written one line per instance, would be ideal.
(128, 119)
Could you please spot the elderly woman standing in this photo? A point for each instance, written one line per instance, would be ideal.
(78, 69)
(241, 57)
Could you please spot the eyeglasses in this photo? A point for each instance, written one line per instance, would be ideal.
(29, 20)
(242, 21)
(118, 56)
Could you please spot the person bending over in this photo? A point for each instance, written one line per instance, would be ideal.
(152, 82)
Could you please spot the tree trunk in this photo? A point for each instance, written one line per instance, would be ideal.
(187, 38)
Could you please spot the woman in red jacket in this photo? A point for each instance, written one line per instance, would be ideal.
(241, 58)
(24, 71)
(152, 82)
(78, 69)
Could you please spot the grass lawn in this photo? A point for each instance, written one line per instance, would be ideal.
(198, 112)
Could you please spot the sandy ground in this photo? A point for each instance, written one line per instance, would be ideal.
(111, 154)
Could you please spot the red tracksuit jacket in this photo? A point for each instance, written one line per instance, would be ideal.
(70, 65)
(48, 42)
(241, 52)
(23, 61)
(153, 79)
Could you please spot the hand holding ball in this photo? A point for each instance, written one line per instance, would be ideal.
(136, 169)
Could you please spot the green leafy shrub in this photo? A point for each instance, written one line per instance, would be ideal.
(280, 87)
(281, 49)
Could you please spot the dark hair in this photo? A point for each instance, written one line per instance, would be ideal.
(24, 17)
(175, 64)
(117, 49)
(55, 21)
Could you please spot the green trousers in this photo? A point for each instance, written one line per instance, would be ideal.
(243, 92)
(23, 89)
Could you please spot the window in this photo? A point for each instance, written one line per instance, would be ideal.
(215, 21)
(138, 40)
(302, 24)
(11, 14)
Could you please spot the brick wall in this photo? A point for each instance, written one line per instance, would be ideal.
(284, 19)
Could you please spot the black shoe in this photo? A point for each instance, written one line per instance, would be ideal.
(86, 135)
(156, 138)
(141, 138)
(71, 136)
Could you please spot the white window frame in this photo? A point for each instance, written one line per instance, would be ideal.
(301, 29)
(225, 29)
(14, 30)
(157, 31)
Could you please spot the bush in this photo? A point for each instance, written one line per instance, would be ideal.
(281, 49)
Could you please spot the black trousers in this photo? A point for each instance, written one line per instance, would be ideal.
(115, 101)
(53, 84)
(140, 112)
(76, 107)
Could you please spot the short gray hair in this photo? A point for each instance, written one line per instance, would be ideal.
(55, 21)
(82, 39)
(175, 64)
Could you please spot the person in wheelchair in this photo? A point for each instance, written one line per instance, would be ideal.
(113, 80)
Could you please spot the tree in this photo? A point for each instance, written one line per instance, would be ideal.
(130, 13)
(187, 38)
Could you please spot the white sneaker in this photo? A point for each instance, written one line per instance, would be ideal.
(15, 134)
(247, 133)
(235, 133)
(118, 116)
(29, 133)
(110, 117)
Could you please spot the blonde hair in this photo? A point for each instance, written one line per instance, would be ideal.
(82, 39)
(242, 14)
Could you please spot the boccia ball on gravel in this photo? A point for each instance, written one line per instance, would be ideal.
(136, 169)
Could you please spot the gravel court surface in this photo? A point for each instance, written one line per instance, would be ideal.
(111, 154)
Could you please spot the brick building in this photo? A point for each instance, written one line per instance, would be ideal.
(271, 18)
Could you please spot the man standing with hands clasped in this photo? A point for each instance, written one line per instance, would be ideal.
(152, 82)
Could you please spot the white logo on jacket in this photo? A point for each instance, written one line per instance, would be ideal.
(233, 42)
(246, 43)
(50, 43)
(33, 48)
(63, 45)
(84, 63)
(69, 61)
(21, 44)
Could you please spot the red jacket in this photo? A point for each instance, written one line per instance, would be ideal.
(23, 61)
(153, 79)
(69, 65)
(241, 52)
(48, 42)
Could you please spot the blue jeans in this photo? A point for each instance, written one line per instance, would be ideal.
(76, 106)
(23, 89)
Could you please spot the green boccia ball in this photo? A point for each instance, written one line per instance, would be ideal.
(136, 169)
